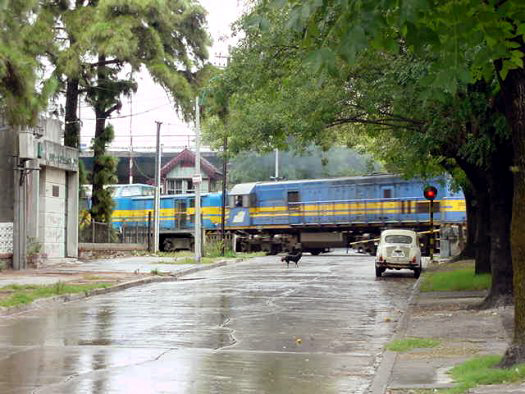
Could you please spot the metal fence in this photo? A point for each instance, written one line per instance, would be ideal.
(96, 232)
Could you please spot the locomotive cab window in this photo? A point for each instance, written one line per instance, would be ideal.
(238, 201)
(293, 199)
(387, 191)
(241, 201)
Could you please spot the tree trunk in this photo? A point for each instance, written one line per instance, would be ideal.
(499, 179)
(469, 250)
(72, 127)
(480, 202)
(514, 93)
(99, 149)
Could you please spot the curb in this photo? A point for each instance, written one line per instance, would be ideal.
(50, 301)
(383, 373)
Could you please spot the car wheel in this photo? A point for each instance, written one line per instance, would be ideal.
(417, 272)
(379, 272)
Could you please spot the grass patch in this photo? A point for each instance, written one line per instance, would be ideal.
(92, 277)
(189, 260)
(405, 345)
(483, 371)
(208, 259)
(460, 278)
(25, 294)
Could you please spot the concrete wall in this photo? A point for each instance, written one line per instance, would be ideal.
(52, 219)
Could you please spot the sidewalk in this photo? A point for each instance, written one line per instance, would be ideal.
(119, 273)
(463, 334)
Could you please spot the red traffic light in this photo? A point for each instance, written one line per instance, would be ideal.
(430, 192)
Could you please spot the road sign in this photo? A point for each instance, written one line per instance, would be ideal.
(197, 178)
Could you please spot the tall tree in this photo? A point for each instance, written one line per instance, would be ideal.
(274, 97)
(108, 42)
(471, 40)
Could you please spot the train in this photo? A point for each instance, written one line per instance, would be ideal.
(315, 214)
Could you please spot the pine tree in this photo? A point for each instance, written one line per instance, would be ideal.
(106, 39)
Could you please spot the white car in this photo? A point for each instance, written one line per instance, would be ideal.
(398, 249)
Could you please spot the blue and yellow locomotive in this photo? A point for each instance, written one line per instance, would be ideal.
(318, 214)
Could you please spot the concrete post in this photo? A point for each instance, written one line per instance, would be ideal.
(156, 225)
(198, 231)
(72, 214)
(19, 223)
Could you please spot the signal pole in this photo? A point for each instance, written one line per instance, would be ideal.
(430, 193)
(197, 185)
(432, 240)
(223, 203)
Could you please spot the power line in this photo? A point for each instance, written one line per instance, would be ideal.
(120, 116)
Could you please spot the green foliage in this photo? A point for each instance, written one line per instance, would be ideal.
(484, 371)
(214, 249)
(101, 46)
(465, 36)
(306, 73)
(25, 39)
(456, 278)
(408, 344)
(25, 294)
(269, 98)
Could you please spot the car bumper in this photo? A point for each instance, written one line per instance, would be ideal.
(397, 265)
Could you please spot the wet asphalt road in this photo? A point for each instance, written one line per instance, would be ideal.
(250, 327)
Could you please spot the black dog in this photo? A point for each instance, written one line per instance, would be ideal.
(295, 257)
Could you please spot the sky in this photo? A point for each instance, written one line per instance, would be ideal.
(151, 103)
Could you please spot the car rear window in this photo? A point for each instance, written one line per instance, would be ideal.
(398, 239)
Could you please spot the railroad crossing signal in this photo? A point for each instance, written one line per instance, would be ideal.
(430, 193)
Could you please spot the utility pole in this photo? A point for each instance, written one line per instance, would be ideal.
(156, 227)
(223, 205)
(131, 141)
(197, 177)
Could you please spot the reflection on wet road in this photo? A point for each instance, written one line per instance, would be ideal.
(251, 327)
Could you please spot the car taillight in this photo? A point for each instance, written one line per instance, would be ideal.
(414, 260)
(380, 258)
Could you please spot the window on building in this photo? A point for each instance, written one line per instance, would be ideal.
(189, 188)
(387, 193)
(178, 186)
(170, 186)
